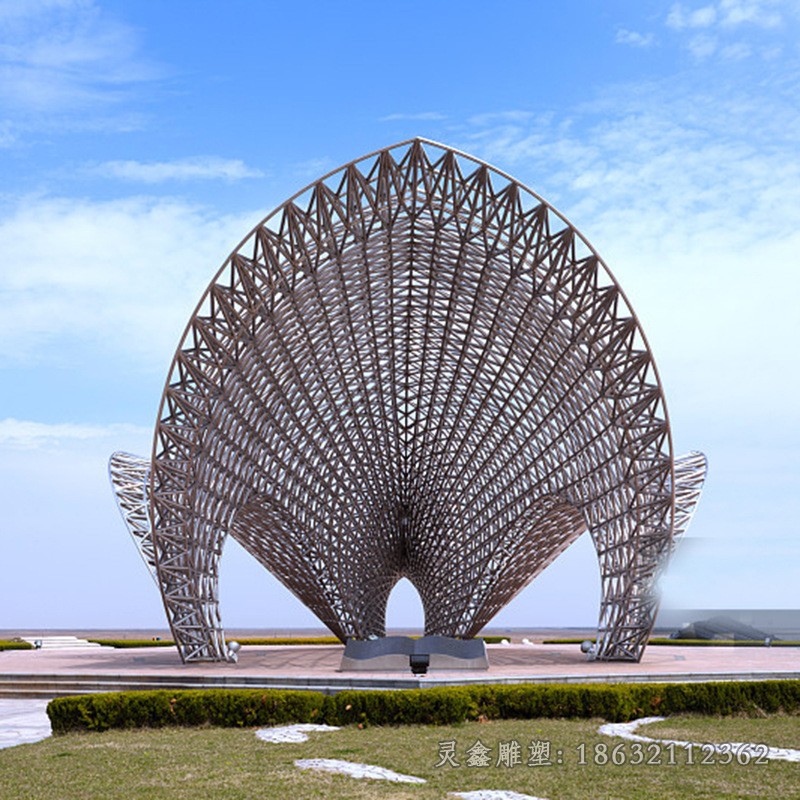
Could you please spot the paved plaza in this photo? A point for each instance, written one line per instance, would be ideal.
(44, 673)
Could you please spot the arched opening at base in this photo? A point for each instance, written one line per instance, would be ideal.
(404, 612)
(252, 598)
(564, 595)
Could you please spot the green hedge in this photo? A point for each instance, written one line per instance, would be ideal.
(123, 643)
(6, 644)
(158, 709)
(724, 642)
(327, 640)
(694, 642)
(286, 640)
(435, 706)
(568, 641)
(246, 641)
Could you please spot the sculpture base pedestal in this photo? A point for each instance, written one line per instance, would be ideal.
(404, 653)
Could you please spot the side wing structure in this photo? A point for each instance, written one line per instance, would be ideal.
(690, 475)
(130, 480)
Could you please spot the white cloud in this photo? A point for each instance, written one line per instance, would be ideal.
(17, 10)
(721, 28)
(501, 117)
(185, 169)
(762, 13)
(736, 52)
(727, 13)
(67, 63)
(27, 434)
(679, 17)
(120, 275)
(634, 38)
(702, 46)
(665, 151)
(7, 135)
(422, 116)
(695, 210)
(313, 168)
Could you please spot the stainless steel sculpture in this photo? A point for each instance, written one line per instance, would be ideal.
(414, 367)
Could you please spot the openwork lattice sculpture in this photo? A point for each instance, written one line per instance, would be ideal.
(415, 367)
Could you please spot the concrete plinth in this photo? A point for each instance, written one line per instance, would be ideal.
(396, 652)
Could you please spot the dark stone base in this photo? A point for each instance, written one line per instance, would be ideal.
(395, 652)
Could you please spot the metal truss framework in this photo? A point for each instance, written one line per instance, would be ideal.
(130, 478)
(413, 368)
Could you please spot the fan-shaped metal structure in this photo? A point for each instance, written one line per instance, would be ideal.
(415, 367)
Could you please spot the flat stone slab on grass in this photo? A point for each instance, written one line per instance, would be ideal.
(23, 722)
(355, 770)
(494, 794)
(291, 734)
(751, 750)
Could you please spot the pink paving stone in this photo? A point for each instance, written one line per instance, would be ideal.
(318, 666)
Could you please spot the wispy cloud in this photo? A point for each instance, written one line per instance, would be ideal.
(736, 52)
(717, 28)
(313, 168)
(422, 116)
(121, 275)
(680, 17)
(727, 13)
(7, 135)
(763, 13)
(689, 187)
(702, 46)
(29, 435)
(501, 117)
(634, 38)
(695, 209)
(185, 169)
(64, 61)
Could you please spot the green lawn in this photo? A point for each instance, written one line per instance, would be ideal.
(777, 730)
(227, 763)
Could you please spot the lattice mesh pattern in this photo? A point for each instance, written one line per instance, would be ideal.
(130, 477)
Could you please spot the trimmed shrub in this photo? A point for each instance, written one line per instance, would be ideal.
(436, 706)
(445, 705)
(246, 641)
(724, 642)
(287, 640)
(129, 643)
(694, 642)
(124, 643)
(15, 644)
(161, 708)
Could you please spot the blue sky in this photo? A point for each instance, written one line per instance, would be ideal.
(140, 142)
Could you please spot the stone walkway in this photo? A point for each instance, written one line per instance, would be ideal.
(23, 722)
(42, 673)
